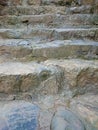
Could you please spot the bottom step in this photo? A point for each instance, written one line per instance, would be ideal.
(70, 77)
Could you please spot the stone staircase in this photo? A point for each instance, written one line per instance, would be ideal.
(49, 53)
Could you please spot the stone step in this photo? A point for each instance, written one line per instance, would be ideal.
(79, 76)
(48, 20)
(69, 77)
(17, 77)
(51, 34)
(36, 10)
(30, 50)
(67, 49)
(89, 33)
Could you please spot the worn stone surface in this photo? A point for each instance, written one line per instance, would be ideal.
(86, 107)
(45, 118)
(28, 49)
(61, 49)
(33, 10)
(64, 119)
(50, 33)
(39, 30)
(19, 116)
(79, 75)
(82, 9)
(29, 77)
(49, 20)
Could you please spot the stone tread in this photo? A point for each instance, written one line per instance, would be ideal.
(52, 29)
(73, 63)
(43, 44)
(47, 33)
(18, 68)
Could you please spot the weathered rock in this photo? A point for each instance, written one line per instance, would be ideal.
(45, 118)
(28, 49)
(50, 33)
(29, 77)
(64, 119)
(77, 33)
(86, 107)
(79, 75)
(61, 49)
(48, 20)
(33, 10)
(19, 116)
(81, 9)
(95, 20)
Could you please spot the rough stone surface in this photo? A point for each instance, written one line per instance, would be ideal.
(28, 49)
(29, 77)
(79, 75)
(86, 107)
(64, 119)
(33, 10)
(39, 30)
(50, 33)
(49, 20)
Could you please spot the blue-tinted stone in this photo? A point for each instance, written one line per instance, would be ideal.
(20, 116)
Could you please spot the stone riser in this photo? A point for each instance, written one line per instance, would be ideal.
(37, 10)
(90, 33)
(50, 34)
(32, 10)
(49, 20)
(55, 49)
(50, 2)
(67, 51)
